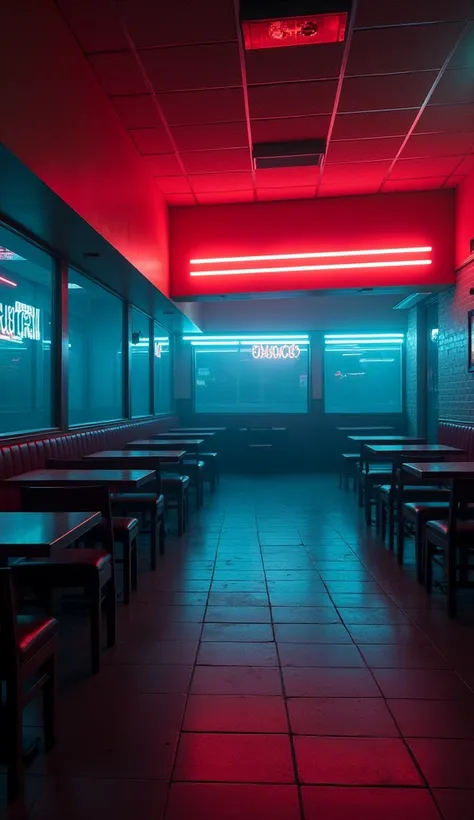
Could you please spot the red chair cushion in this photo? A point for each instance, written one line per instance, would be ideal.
(33, 633)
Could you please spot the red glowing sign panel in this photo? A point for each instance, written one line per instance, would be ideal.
(295, 31)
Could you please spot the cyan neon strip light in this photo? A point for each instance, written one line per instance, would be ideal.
(364, 335)
(217, 260)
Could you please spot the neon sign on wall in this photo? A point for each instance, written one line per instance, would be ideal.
(19, 322)
(268, 351)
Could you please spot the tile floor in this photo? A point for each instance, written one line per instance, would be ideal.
(279, 665)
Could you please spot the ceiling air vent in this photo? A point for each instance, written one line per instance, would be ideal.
(288, 154)
(277, 23)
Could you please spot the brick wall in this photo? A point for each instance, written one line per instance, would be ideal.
(456, 384)
(411, 369)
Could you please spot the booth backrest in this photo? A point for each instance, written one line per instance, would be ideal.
(457, 434)
(33, 455)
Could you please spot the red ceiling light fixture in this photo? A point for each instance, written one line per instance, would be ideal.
(280, 23)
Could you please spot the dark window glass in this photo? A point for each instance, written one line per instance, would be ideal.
(140, 351)
(162, 361)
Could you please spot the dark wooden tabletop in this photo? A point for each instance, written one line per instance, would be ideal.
(125, 479)
(411, 449)
(366, 429)
(198, 430)
(158, 455)
(387, 439)
(177, 435)
(441, 470)
(38, 534)
(165, 443)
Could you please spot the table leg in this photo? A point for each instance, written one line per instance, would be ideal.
(400, 522)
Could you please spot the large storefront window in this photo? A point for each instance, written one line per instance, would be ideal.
(258, 375)
(95, 353)
(140, 372)
(162, 365)
(26, 322)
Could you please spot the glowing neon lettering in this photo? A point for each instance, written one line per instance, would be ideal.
(19, 322)
(286, 351)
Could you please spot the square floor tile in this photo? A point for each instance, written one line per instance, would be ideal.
(356, 587)
(312, 654)
(237, 632)
(361, 601)
(305, 615)
(434, 718)
(332, 683)
(234, 758)
(455, 804)
(332, 803)
(216, 801)
(424, 684)
(237, 654)
(245, 585)
(354, 761)
(238, 614)
(312, 633)
(236, 680)
(386, 634)
(243, 574)
(445, 763)
(136, 679)
(238, 599)
(380, 617)
(303, 599)
(235, 713)
(357, 717)
(158, 652)
(396, 656)
(78, 798)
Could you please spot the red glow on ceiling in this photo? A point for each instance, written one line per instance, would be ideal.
(295, 31)
(405, 263)
(7, 282)
(312, 255)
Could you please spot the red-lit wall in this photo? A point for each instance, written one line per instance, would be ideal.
(57, 120)
(464, 229)
(352, 223)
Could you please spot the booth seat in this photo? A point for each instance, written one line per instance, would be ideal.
(457, 434)
(33, 455)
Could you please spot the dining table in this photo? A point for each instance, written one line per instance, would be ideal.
(368, 429)
(148, 458)
(125, 480)
(190, 445)
(176, 436)
(193, 430)
(41, 534)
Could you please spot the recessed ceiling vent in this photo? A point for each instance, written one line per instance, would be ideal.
(288, 154)
(277, 23)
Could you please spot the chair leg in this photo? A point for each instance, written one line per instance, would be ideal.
(428, 565)
(391, 522)
(419, 551)
(134, 563)
(451, 571)
(49, 704)
(14, 740)
(153, 534)
(127, 569)
(96, 624)
(360, 492)
(383, 521)
(111, 611)
(181, 515)
(161, 535)
(368, 505)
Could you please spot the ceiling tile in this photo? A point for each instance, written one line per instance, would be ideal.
(446, 118)
(287, 177)
(211, 137)
(199, 107)
(386, 91)
(118, 73)
(466, 166)
(152, 24)
(421, 184)
(136, 111)
(202, 183)
(174, 185)
(310, 63)
(359, 172)
(455, 86)
(204, 162)
(291, 128)
(409, 11)
(94, 23)
(432, 145)
(292, 99)
(374, 124)
(225, 197)
(354, 188)
(428, 167)
(175, 200)
(163, 164)
(363, 150)
(463, 57)
(401, 48)
(275, 194)
(454, 181)
(151, 140)
(193, 67)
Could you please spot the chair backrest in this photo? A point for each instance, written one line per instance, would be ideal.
(8, 637)
(71, 499)
(462, 494)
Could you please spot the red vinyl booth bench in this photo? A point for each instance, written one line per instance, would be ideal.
(33, 455)
(457, 434)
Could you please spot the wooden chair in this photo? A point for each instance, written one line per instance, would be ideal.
(28, 648)
(453, 541)
(89, 568)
